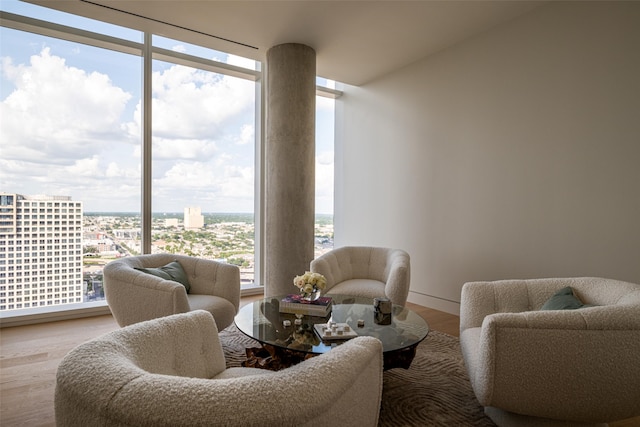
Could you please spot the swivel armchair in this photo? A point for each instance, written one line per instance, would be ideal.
(366, 271)
(553, 367)
(134, 295)
(171, 371)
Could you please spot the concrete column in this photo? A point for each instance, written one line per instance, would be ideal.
(290, 165)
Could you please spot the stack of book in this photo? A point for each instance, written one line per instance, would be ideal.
(294, 304)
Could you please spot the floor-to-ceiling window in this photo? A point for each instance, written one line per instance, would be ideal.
(67, 157)
(71, 155)
(204, 159)
(325, 106)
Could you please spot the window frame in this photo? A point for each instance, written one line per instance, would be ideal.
(148, 53)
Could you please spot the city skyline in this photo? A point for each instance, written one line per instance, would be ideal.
(53, 253)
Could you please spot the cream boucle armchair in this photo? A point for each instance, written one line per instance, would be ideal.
(560, 367)
(134, 296)
(171, 371)
(366, 271)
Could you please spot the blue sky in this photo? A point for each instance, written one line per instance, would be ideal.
(70, 125)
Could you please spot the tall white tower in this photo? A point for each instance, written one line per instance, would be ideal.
(193, 218)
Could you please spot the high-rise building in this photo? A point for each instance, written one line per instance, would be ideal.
(193, 219)
(40, 251)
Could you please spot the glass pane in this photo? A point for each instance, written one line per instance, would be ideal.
(63, 18)
(321, 81)
(203, 52)
(203, 165)
(70, 156)
(324, 174)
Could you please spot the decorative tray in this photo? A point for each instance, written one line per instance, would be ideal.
(334, 331)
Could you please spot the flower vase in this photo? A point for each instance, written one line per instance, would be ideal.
(311, 296)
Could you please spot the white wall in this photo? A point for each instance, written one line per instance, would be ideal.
(515, 154)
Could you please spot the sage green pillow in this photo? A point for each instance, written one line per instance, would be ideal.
(564, 299)
(172, 271)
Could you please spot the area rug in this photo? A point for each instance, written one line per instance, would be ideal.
(434, 391)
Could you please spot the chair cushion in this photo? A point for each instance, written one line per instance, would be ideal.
(367, 288)
(222, 310)
(172, 271)
(564, 299)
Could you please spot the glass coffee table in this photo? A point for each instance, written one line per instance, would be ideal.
(285, 341)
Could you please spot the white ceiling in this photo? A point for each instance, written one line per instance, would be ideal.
(355, 41)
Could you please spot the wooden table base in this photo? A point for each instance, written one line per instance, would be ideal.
(401, 358)
(275, 358)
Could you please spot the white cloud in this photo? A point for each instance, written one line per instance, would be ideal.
(116, 171)
(195, 104)
(237, 182)
(324, 182)
(213, 187)
(64, 131)
(183, 149)
(57, 111)
(325, 158)
(85, 167)
(198, 175)
(186, 176)
(247, 135)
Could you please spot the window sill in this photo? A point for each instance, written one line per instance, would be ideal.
(30, 316)
(76, 311)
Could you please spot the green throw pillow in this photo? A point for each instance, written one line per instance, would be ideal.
(172, 271)
(564, 299)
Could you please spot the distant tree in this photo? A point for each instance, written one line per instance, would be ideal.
(91, 249)
(240, 262)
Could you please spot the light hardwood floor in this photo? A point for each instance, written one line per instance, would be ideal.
(29, 356)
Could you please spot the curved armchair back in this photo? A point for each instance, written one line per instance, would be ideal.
(171, 371)
(480, 299)
(390, 267)
(135, 296)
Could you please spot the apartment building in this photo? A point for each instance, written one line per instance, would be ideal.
(40, 251)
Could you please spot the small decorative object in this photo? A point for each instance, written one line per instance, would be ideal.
(360, 323)
(334, 331)
(310, 285)
(382, 308)
(286, 323)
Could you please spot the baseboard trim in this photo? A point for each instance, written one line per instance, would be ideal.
(447, 306)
